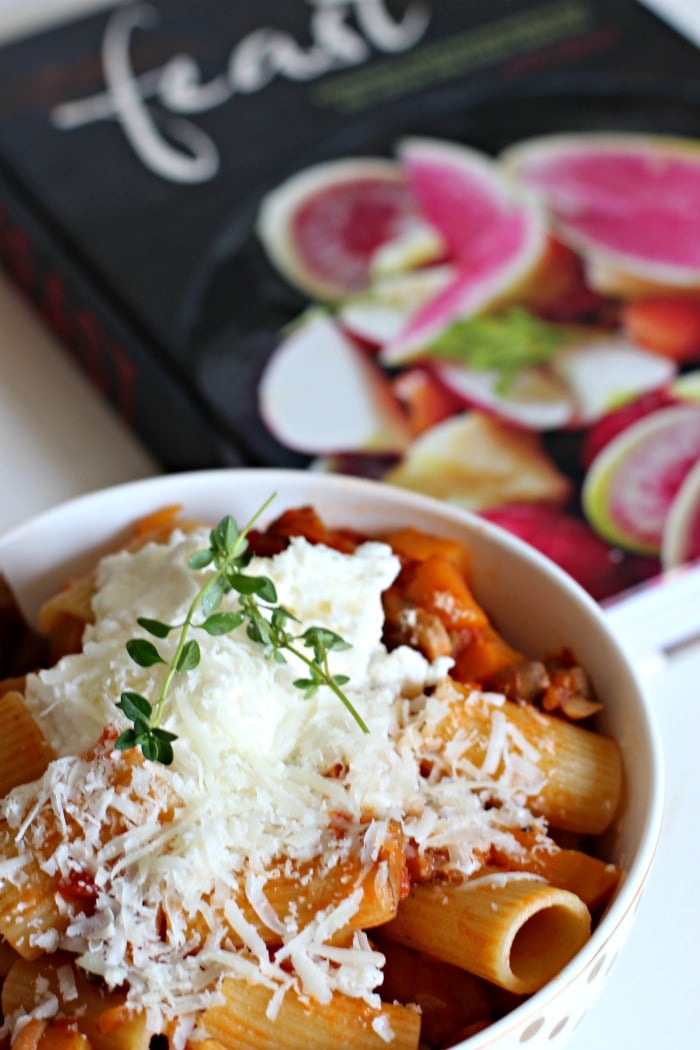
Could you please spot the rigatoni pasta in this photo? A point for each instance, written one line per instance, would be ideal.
(249, 894)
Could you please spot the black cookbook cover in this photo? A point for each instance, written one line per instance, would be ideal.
(137, 146)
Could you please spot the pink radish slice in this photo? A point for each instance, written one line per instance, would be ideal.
(494, 237)
(534, 399)
(459, 190)
(633, 200)
(320, 394)
(618, 419)
(632, 483)
(681, 533)
(323, 226)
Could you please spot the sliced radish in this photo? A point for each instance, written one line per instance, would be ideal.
(320, 394)
(533, 399)
(573, 545)
(418, 244)
(630, 203)
(379, 317)
(408, 291)
(475, 461)
(322, 227)
(495, 237)
(600, 373)
(681, 533)
(370, 322)
(632, 483)
(618, 419)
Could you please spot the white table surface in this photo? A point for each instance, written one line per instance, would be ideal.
(59, 439)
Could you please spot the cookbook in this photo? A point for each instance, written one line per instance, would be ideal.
(441, 243)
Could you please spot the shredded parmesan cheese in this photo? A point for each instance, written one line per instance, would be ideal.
(179, 857)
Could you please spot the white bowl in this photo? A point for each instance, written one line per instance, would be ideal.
(537, 606)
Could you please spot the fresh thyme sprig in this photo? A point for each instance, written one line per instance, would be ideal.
(267, 623)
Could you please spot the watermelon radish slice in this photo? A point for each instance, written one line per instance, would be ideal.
(618, 419)
(629, 203)
(605, 370)
(681, 534)
(534, 399)
(322, 227)
(320, 394)
(631, 485)
(495, 238)
(379, 316)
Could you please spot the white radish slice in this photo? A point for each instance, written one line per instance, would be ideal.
(599, 374)
(320, 394)
(533, 399)
(370, 322)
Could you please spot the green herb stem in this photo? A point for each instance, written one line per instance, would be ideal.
(332, 685)
(195, 603)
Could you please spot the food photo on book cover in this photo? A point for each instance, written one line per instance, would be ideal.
(452, 249)
(518, 335)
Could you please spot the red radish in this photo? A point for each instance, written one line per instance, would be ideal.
(370, 323)
(631, 485)
(601, 369)
(630, 203)
(323, 226)
(495, 238)
(618, 419)
(602, 570)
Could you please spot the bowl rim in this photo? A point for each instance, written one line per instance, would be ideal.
(188, 485)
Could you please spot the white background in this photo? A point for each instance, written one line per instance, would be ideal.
(59, 439)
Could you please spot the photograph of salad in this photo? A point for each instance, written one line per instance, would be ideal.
(518, 335)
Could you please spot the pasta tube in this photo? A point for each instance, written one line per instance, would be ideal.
(581, 771)
(305, 889)
(24, 750)
(243, 1022)
(512, 929)
(102, 1016)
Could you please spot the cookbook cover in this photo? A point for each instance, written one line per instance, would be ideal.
(448, 244)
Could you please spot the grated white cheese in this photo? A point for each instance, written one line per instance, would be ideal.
(186, 844)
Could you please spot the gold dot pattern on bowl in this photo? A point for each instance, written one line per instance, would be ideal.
(596, 968)
(581, 1018)
(532, 1029)
(559, 1027)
